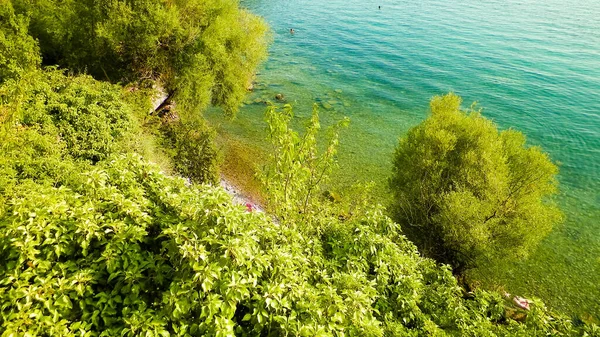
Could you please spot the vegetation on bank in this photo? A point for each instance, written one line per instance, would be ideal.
(467, 194)
(199, 51)
(96, 241)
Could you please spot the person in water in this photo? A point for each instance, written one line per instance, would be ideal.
(292, 31)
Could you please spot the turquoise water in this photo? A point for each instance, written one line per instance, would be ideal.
(533, 65)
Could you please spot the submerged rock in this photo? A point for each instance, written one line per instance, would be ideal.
(279, 97)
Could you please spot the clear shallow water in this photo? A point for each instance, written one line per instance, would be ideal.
(533, 65)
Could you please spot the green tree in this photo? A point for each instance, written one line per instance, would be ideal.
(19, 52)
(200, 51)
(465, 192)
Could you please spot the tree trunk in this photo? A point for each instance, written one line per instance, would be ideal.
(165, 105)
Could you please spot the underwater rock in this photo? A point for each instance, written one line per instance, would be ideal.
(279, 97)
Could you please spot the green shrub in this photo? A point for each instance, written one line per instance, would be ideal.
(466, 193)
(58, 125)
(29, 155)
(128, 251)
(296, 172)
(89, 117)
(192, 149)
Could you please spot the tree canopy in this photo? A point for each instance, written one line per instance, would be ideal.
(465, 192)
(201, 51)
(19, 52)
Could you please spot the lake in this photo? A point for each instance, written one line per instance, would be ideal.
(531, 65)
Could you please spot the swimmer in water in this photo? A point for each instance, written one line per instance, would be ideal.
(292, 31)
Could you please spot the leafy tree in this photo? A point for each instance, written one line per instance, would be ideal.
(19, 52)
(201, 51)
(465, 192)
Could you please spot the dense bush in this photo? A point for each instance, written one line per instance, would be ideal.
(465, 192)
(90, 117)
(201, 51)
(59, 123)
(125, 251)
(26, 154)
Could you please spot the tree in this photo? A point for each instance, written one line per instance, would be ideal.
(465, 192)
(200, 51)
(19, 52)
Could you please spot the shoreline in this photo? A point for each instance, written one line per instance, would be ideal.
(238, 196)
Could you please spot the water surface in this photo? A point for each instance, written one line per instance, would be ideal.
(533, 65)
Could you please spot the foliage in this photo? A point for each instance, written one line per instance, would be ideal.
(56, 125)
(19, 52)
(118, 248)
(125, 250)
(293, 179)
(88, 116)
(465, 192)
(201, 51)
(192, 148)
(95, 241)
(29, 155)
